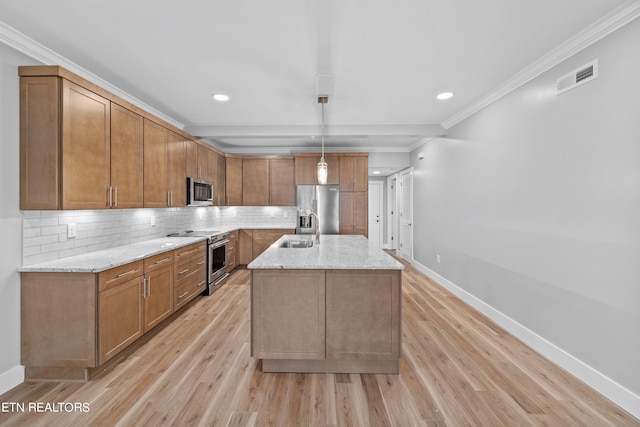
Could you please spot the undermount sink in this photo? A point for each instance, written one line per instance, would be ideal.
(295, 244)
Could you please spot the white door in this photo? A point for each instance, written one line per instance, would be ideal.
(375, 213)
(406, 214)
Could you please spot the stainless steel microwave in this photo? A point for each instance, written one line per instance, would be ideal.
(199, 193)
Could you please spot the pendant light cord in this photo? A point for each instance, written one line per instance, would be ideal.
(322, 126)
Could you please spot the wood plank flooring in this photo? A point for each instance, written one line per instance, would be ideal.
(457, 369)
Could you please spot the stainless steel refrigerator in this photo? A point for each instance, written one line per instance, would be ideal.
(324, 201)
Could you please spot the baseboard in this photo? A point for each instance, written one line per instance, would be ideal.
(11, 378)
(604, 385)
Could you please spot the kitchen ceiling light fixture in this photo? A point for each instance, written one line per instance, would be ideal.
(220, 97)
(322, 165)
(444, 95)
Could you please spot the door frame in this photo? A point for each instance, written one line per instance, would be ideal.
(408, 171)
(380, 190)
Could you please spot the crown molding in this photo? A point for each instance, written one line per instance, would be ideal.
(294, 149)
(606, 25)
(20, 42)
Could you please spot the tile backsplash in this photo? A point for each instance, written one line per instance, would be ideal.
(45, 235)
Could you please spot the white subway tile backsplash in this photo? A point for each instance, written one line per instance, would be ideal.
(45, 232)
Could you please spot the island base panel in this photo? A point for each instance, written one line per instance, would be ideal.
(332, 366)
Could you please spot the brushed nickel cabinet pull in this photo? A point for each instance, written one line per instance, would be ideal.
(149, 289)
(200, 284)
(115, 199)
(125, 274)
(110, 197)
(182, 272)
(200, 263)
(161, 261)
(183, 295)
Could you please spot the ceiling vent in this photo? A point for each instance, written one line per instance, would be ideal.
(578, 77)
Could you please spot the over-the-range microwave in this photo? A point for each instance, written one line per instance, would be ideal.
(199, 193)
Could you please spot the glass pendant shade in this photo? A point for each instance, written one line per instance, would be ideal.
(322, 172)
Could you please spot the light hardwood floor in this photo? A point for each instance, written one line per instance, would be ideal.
(457, 368)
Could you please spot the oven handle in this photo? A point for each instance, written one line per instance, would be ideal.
(220, 243)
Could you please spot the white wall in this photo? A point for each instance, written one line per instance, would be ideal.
(534, 206)
(11, 372)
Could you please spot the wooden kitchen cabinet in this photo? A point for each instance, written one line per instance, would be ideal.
(158, 296)
(212, 173)
(190, 272)
(255, 182)
(155, 165)
(232, 251)
(220, 191)
(64, 145)
(127, 160)
(176, 170)
(306, 168)
(245, 246)
(354, 210)
(233, 181)
(282, 188)
(354, 172)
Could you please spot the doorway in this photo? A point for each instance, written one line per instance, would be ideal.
(405, 196)
(376, 213)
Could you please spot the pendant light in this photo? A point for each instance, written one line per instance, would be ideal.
(322, 164)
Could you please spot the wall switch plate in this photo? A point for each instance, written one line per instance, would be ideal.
(71, 231)
(235, 214)
(153, 220)
(286, 214)
(438, 258)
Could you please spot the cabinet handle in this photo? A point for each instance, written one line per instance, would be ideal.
(189, 252)
(149, 289)
(161, 261)
(144, 287)
(200, 263)
(125, 274)
(182, 272)
(116, 197)
(200, 284)
(110, 197)
(183, 295)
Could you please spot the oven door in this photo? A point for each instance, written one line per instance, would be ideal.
(217, 266)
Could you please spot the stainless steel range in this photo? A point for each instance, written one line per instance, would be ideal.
(216, 256)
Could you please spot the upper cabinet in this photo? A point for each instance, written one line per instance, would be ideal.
(65, 146)
(233, 181)
(156, 139)
(176, 170)
(354, 173)
(306, 168)
(268, 181)
(127, 132)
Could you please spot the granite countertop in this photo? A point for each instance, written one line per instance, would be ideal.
(95, 262)
(335, 252)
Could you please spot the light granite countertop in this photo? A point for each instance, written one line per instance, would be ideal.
(335, 252)
(95, 262)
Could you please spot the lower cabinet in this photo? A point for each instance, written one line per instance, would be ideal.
(72, 322)
(252, 243)
(232, 251)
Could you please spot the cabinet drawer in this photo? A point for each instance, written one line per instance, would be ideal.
(188, 290)
(197, 251)
(115, 276)
(189, 271)
(158, 261)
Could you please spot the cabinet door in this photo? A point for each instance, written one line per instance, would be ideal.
(262, 239)
(234, 181)
(363, 314)
(86, 156)
(202, 162)
(346, 173)
(158, 301)
(255, 182)
(212, 173)
(361, 213)
(155, 165)
(297, 332)
(245, 246)
(346, 212)
(39, 143)
(127, 168)
(360, 173)
(282, 188)
(306, 169)
(121, 317)
(191, 152)
(176, 166)
(220, 192)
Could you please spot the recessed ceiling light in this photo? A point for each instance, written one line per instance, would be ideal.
(220, 97)
(444, 95)
(376, 172)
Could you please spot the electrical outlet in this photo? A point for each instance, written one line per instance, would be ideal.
(286, 214)
(235, 214)
(71, 231)
(153, 220)
(438, 258)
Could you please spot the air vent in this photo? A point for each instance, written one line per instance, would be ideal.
(578, 77)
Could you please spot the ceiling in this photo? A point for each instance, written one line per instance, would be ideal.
(389, 59)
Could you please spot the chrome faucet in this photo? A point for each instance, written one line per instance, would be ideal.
(317, 227)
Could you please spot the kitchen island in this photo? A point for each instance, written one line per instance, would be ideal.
(332, 307)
